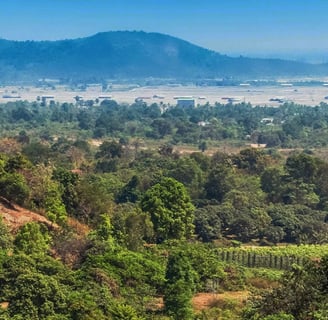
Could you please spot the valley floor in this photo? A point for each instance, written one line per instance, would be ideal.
(262, 95)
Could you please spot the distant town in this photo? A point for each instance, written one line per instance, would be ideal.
(267, 93)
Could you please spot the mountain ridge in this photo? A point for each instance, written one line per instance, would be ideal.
(135, 54)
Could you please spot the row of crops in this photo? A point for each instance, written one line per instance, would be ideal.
(281, 258)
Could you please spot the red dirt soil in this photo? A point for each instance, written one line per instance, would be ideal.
(15, 216)
(204, 300)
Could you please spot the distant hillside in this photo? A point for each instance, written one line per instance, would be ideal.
(133, 55)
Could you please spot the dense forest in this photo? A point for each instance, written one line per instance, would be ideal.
(148, 205)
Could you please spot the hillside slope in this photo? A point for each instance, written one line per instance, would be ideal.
(125, 54)
(15, 216)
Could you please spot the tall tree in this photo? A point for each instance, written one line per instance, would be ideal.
(179, 287)
(170, 209)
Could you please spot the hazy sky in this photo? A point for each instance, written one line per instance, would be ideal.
(227, 26)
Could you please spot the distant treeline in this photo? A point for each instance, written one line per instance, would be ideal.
(288, 126)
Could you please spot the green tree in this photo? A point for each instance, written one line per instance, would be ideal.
(6, 240)
(187, 171)
(30, 239)
(165, 150)
(131, 226)
(250, 225)
(202, 146)
(108, 155)
(55, 209)
(13, 187)
(124, 312)
(272, 183)
(37, 296)
(161, 128)
(208, 223)
(252, 160)
(109, 150)
(69, 181)
(94, 197)
(46, 193)
(300, 295)
(322, 185)
(219, 182)
(37, 152)
(299, 192)
(303, 166)
(82, 306)
(170, 209)
(284, 216)
(202, 160)
(129, 192)
(179, 287)
(17, 162)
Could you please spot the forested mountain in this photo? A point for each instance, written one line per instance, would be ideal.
(127, 54)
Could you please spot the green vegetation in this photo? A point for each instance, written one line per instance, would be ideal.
(139, 124)
(179, 286)
(135, 229)
(170, 210)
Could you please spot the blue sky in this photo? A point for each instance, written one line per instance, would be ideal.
(261, 27)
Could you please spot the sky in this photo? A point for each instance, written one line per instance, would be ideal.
(237, 27)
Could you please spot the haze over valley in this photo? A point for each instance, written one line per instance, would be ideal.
(135, 55)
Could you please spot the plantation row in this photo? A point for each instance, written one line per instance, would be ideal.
(281, 258)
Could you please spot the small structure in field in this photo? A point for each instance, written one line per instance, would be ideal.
(186, 102)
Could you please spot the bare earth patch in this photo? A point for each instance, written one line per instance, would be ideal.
(15, 216)
(205, 300)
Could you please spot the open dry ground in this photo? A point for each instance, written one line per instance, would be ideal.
(15, 216)
(307, 95)
(206, 300)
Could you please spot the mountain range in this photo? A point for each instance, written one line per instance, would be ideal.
(135, 54)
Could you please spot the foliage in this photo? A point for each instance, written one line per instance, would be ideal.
(300, 295)
(208, 225)
(124, 312)
(139, 219)
(69, 181)
(219, 182)
(170, 209)
(179, 286)
(32, 239)
(13, 187)
(94, 198)
(37, 297)
(6, 239)
(46, 193)
(131, 227)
